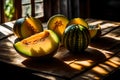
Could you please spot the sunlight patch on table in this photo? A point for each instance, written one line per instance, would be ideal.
(115, 60)
(10, 24)
(100, 70)
(113, 36)
(5, 31)
(96, 22)
(45, 76)
(12, 38)
(106, 25)
(91, 75)
(78, 65)
(111, 64)
(84, 63)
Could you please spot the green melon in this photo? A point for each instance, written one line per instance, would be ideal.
(76, 38)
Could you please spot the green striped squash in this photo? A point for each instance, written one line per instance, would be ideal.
(76, 38)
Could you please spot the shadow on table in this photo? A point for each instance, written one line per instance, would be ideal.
(65, 64)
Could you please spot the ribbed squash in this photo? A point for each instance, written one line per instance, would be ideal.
(95, 31)
(57, 23)
(25, 27)
(76, 38)
(78, 21)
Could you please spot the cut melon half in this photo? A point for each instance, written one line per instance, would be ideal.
(40, 44)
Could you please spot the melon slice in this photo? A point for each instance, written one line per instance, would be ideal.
(95, 31)
(58, 23)
(25, 27)
(37, 45)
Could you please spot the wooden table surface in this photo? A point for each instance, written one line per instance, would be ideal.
(101, 58)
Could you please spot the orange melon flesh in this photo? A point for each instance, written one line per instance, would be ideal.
(59, 26)
(35, 23)
(25, 27)
(35, 38)
(95, 31)
(38, 45)
(31, 26)
(26, 30)
(58, 23)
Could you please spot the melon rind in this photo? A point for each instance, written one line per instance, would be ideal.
(40, 48)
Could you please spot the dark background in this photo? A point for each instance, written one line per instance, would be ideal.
(98, 9)
(105, 9)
